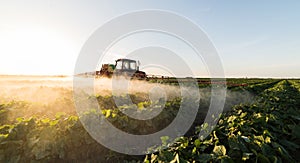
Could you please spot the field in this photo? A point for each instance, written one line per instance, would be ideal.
(39, 122)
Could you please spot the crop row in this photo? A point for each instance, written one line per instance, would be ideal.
(266, 130)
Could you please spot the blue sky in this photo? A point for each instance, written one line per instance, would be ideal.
(254, 38)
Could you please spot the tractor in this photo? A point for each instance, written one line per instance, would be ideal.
(123, 67)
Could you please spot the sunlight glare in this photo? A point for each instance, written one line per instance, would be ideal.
(35, 50)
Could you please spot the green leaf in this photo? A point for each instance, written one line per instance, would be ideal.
(246, 156)
(141, 105)
(108, 112)
(153, 157)
(20, 119)
(231, 118)
(243, 115)
(267, 140)
(204, 126)
(45, 120)
(197, 143)
(53, 123)
(164, 140)
(219, 150)
(176, 159)
(246, 139)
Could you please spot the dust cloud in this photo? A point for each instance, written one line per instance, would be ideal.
(24, 96)
(34, 88)
(106, 86)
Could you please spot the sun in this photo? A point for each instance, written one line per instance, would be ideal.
(34, 50)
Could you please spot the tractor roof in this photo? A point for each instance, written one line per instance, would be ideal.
(124, 59)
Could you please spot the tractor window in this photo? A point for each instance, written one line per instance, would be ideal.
(125, 65)
(119, 65)
(132, 65)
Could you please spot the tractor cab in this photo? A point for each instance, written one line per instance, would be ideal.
(126, 65)
(129, 68)
(123, 67)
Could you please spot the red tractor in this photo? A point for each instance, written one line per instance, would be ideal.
(123, 67)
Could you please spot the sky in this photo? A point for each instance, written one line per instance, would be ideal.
(257, 38)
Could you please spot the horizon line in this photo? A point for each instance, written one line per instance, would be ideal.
(228, 77)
